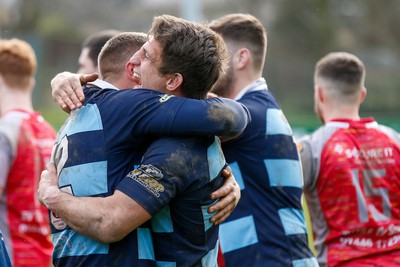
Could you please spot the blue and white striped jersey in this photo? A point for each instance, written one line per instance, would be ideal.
(173, 184)
(267, 228)
(102, 141)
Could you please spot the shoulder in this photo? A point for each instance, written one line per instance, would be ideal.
(262, 98)
(136, 94)
(10, 128)
(312, 144)
(10, 124)
(179, 153)
(393, 134)
(320, 134)
(126, 99)
(170, 144)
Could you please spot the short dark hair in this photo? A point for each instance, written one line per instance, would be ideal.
(342, 68)
(191, 49)
(246, 30)
(96, 41)
(117, 51)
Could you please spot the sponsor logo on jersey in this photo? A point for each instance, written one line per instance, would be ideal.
(152, 171)
(165, 97)
(148, 176)
(372, 153)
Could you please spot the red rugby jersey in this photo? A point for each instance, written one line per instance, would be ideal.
(24, 221)
(352, 185)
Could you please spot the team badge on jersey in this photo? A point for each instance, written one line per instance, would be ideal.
(148, 176)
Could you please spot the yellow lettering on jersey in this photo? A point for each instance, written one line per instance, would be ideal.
(165, 97)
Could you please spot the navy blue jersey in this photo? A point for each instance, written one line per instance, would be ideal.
(267, 228)
(100, 143)
(174, 184)
(4, 258)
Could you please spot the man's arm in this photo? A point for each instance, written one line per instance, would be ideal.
(306, 159)
(67, 89)
(111, 218)
(106, 220)
(223, 117)
(219, 116)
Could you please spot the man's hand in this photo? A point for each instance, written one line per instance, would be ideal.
(67, 89)
(48, 186)
(104, 219)
(230, 196)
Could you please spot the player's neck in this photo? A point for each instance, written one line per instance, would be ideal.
(242, 82)
(15, 100)
(349, 114)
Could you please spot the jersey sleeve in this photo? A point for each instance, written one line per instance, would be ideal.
(391, 133)
(5, 159)
(171, 167)
(150, 186)
(155, 113)
(216, 116)
(9, 131)
(307, 162)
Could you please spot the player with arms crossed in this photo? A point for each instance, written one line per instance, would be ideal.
(351, 171)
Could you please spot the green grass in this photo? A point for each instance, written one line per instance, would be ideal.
(306, 123)
(54, 115)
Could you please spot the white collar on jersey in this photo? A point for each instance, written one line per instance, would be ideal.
(345, 124)
(102, 84)
(257, 85)
(372, 124)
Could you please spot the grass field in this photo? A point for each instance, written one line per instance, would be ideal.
(306, 123)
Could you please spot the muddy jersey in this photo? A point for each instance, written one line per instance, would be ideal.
(101, 142)
(26, 140)
(267, 228)
(352, 184)
(174, 184)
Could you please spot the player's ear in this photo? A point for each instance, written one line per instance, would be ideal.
(174, 81)
(319, 93)
(1, 82)
(242, 58)
(32, 83)
(129, 70)
(363, 94)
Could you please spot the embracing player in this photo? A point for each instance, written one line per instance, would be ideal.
(101, 141)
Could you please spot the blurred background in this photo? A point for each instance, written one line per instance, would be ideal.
(299, 33)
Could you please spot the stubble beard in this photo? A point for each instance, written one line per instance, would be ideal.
(224, 85)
